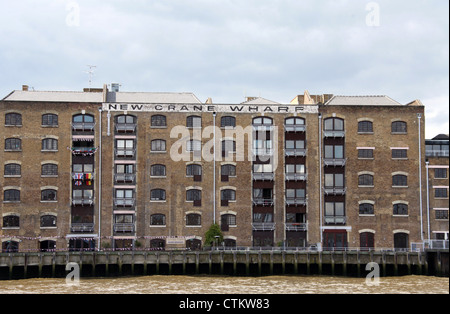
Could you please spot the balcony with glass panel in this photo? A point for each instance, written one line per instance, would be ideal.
(129, 178)
(296, 226)
(82, 227)
(83, 198)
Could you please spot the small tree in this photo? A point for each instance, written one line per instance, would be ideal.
(213, 234)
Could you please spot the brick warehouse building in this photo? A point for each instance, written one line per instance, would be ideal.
(108, 169)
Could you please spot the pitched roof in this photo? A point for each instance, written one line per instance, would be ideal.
(48, 96)
(259, 101)
(152, 98)
(362, 101)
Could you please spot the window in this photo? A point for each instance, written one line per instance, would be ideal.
(259, 217)
(298, 144)
(125, 147)
(194, 146)
(440, 193)
(365, 180)
(158, 121)
(228, 219)
(228, 121)
(158, 171)
(228, 146)
(295, 168)
(157, 195)
(193, 170)
(333, 209)
(194, 122)
(441, 214)
(158, 146)
(158, 220)
(13, 119)
(125, 119)
(400, 209)
(83, 118)
(400, 180)
(365, 153)
(228, 170)
(398, 127)
(334, 180)
(399, 153)
(129, 169)
(48, 195)
(262, 194)
(83, 122)
(193, 195)
(11, 195)
(228, 195)
(83, 168)
(13, 170)
(50, 170)
(295, 193)
(365, 127)
(262, 168)
(334, 151)
(50, 144)
(48, 221)
(83, 194)
(440, 173)
(193, 220)
(49, 120)
(11, 221)
(295, 121)
(366, 209)
(334, 124)
(262, 121)
(13, 144)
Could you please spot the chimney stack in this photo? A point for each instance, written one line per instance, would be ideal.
(25, 88)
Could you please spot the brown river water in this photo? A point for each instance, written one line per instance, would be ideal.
(229, 285)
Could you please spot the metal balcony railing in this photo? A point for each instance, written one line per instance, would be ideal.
(295, 128)
(263, 176)
(333, 133)
(263, 226)
(83, 201)
(333, 190)
(124, 178)
(83, 126)
(436, 153)
(335, 161)
(296, 201)
(263, 201)
(296, 226)
(123, 227)
(295, 152)
(335, 220)
(124, 202)
(123, 152)
(296, 176)
(126, 128)
(262, 151)
(82, 227)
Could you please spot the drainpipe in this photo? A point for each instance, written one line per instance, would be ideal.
(320, 179)
(419, 117)
(428, 200)
(100, 179)
(214, 167)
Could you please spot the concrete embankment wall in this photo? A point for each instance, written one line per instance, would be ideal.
(235, 263)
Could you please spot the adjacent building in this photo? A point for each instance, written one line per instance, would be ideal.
(105, 169)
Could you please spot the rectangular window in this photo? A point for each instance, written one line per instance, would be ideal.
(440, 193)
(441, 214)
(440, 173)
(399, 153)
(365, 153)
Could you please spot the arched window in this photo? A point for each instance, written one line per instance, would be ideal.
(10, 247)
(294, 121)
(125, 124)
(11, 195)
(158, 220)
(399, 127)
(83, 122)
(193, 170)
(228, 195)
(158, 121)
(49, 170)
(401, 241)
(47, 246)
(228, 121)
(294, 124)
(158, 195)
(48, 195)
(13, 119)
(366, 209)
(13, 170)
(194, 122)
(400, 180)
(49, 119)
(365, 127)
(193, 195)
(365, 180)
(400, 209)
(228, 146)
(262, 121)
(334, 124)
(228, 170)
(158, 146)
(50, 144)
(13, 144)
(193, 220)
(367, 240)
(157, 244)
(194, 146)
(48, 221)
(11, 221)
(158, 171)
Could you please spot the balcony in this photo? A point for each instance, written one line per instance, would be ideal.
(83, 201)
(126, 128)
(436, 153)
(124, 202)
(263, 201)
(262, 151)
(296, 201)
(83, 126)
(83, 176)
(124, 178)
(295, 152)
(124, 153)
(333, 190)
(295, 128)
(334, 133)
(262, 127)
(82, 227)
(335, 220)
(336, 162)
(263, 176)
(83, 151)
(296, 226)
(296, 176)
(263, 226)
(123, 227)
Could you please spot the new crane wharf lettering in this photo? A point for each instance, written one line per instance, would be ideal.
(210, 108)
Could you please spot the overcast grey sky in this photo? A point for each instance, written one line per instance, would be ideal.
(228, 49)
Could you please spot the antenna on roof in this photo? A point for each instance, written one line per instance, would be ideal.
(91, 73)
